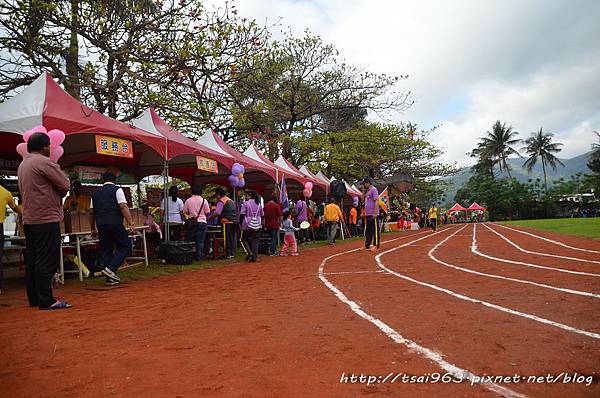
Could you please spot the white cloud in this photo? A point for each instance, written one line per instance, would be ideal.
(530, 63)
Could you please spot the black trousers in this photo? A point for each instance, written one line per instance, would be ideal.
(353, 230)
(115, 245)
(433, 223)
(303, 236)
(250, 239)
(231, 236)
(372, 232)
(43, 257)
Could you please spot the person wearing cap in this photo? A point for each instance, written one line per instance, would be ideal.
(432, 216)
(371, 196)
(77, 200)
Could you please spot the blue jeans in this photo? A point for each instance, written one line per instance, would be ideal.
(274, 234)
(115, 245)
(200, 238)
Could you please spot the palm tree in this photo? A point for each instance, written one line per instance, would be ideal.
(497, 145)
(593, 162)
(540, 146)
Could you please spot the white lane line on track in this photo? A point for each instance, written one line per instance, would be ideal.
(549, 240)
(354, 272)
(539, 253)
(475, 250)
(398, 338)
(474, 246)
(477, 301)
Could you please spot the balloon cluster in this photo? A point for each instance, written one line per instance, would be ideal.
(355, 201)
(236, 179)
(57, 137)
(308, 186)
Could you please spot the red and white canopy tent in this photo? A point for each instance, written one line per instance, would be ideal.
(475, 207)
(181, 152)
(456, 207)
(45, 102)
(258, 176)
(323, 178)
(319, 187)
(294, 182)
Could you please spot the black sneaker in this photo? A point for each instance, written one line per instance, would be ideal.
(110, 282)
(110, 275)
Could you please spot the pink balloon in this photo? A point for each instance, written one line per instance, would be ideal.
(37, 129)
(56, 152)
(308, 185)
(27, 134)
(307, 193)
(57, 137)
(22, 150)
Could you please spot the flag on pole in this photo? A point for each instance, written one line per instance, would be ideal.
(384, 200)
(283, 196)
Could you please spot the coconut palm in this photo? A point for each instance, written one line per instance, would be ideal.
(498, 145)
(593, 162)
(540, 146)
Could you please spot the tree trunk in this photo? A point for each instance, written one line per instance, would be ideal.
(545, 180)
(72, 56)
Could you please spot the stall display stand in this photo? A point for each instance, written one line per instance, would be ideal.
(81, 239)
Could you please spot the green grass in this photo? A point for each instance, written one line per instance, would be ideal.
(588, 227)
(156, 269)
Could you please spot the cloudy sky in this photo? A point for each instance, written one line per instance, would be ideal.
(530, 63)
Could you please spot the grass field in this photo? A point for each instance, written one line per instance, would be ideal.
(589, 227)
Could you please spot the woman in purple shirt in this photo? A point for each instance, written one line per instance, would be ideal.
(302, 215)
(252, 225)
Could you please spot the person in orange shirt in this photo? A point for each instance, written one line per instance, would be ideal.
(352, 219)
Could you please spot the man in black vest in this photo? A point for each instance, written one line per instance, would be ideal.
(108, 208)
(227, 216)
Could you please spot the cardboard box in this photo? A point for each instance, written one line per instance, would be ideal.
(84, 221)
(71, 222)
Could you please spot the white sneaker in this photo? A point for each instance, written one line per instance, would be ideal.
(110, 275)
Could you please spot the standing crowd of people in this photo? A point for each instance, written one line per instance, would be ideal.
(248, 222)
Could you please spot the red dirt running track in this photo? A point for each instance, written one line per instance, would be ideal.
(463, 299)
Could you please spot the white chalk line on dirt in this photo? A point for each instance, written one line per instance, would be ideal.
(477, 301)
(354, 272)
(398, 338)
(539, 253)
(528, 282)
(476, 250)
(548, 239)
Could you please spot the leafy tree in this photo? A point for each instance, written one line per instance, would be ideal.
(540, 146)
(497, 145)
(119, 56)
(300, 87)
(594, 160)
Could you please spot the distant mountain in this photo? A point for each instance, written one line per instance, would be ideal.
(572, 166)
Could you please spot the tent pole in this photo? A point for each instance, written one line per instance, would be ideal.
(165, 196)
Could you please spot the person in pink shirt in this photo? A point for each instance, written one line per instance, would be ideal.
(196, 207)
(154, 233)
